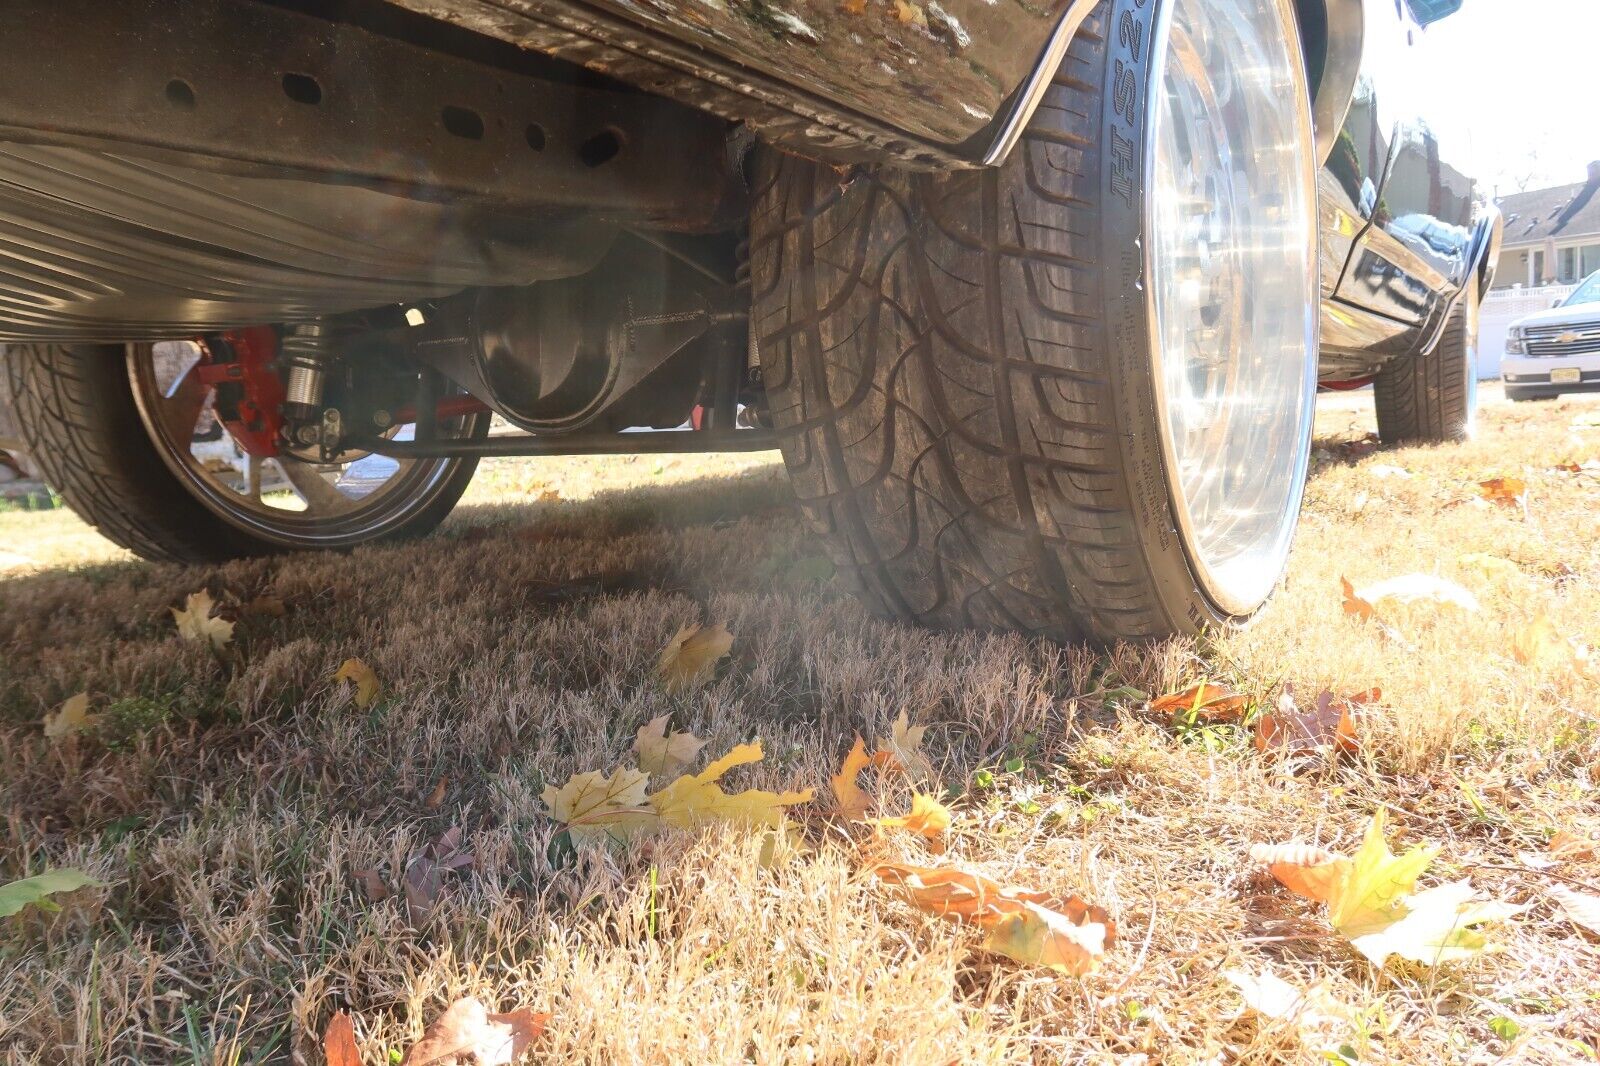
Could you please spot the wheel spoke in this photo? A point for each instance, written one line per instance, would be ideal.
(252, 476)
(180, 408)
(308, 483)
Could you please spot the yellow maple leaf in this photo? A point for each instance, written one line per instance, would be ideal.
(663, 753)
(71, 717)
(692, 654)
(928, 819)
(361, 675)
(1371, 898)
(1039, 936)
(196, 623)
(1539, 644)
(903, 750)
(853, 803)
(596, 806)
(695, 799)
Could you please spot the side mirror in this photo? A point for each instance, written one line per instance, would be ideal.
(1556, 302)
(1426, 11)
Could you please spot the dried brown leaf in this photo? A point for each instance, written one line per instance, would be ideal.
(195, 622)
(1208, 702)
(339, 1041)
(362, 676)
(691, 655)
(661, 753)
(71, 717)
(466, 1028)
(852, 802)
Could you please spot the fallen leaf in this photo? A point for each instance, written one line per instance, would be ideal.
(692, 654)
(911, 13)
(1037, 936)
(339, 1041)
(1371, 900)
(467, 1028)
(267, 607)
(549, 496)
(1031, 927)
(436, 796)
(38, 889)
(698, 798)
(853, 7)
(596, 806)
(372, 884)
(1385, 470)
(1411, 589)
(1538, 644)
(1581, 907)
(852, 802)
(1565, 845)
(928, 819)
(1206, 701)
(662, 753)
(1271, 996)
(71, 717)
(424, 874)
(903, 750)
(1328, 725)
(361, 675)
(1353, 604)
(196, 623)
(1489, 566)
(1509, 491)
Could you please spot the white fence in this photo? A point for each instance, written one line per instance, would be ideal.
(1501, 307)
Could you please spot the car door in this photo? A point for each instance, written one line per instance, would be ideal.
(1415, 208)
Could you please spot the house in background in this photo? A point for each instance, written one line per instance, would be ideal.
(1552, 236)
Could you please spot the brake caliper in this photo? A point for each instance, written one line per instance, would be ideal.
(239, 366)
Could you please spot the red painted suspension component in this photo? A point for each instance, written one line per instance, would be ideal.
(447, 408)
(1347, 385)
(239, 367)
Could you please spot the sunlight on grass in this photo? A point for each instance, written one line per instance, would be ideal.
(255, 826)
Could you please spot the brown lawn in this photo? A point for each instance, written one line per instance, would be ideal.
(228, 805)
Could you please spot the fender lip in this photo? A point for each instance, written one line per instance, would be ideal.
(1482, 257)
(1026, 100)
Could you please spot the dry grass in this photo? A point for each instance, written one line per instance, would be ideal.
(228, 810)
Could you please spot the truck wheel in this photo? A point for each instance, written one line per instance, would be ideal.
(1073, 395)
(114, 430)
(1433, 398)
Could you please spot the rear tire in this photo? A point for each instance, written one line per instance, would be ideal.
(1433, 398)
(970, 365)
(76, 411)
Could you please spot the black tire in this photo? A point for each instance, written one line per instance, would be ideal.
(76, 412)
(962, 363)
(1433, 398)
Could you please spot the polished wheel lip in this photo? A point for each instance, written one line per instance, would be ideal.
(1227, 601)
(425, 481)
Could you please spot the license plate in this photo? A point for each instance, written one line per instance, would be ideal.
(1569, 375)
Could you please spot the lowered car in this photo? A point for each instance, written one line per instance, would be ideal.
(1034, 297)
(1557, 350)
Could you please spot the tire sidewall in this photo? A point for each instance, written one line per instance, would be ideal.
(1131, 76)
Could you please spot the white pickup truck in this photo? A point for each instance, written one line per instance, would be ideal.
(1558, 350)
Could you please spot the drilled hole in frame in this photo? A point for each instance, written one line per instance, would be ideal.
(462, 122)
(180, 94)
(535, 135)
(302, 89)
(602, 148)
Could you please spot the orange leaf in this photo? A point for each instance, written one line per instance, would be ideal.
(1505, 490)
(1209, 702)
(1304, 870)
(339, 1041)
(853, 802)
(467, 1028)
(436, 796)
(1565, 845)
(1354, 604)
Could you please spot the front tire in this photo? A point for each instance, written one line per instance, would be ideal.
(1433, 398)
(1071, 396)
(82, 422)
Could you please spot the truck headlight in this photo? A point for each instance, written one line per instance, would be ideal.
(1515, 344)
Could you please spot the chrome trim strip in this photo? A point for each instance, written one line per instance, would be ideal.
(1027, 101)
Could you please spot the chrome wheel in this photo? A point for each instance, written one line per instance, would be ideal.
(1231, 276)
(290, 500)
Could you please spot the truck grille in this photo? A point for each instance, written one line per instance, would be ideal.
(1548, 341)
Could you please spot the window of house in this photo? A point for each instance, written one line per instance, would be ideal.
(1566, 265)
(1537, 277)
(1589, 259)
